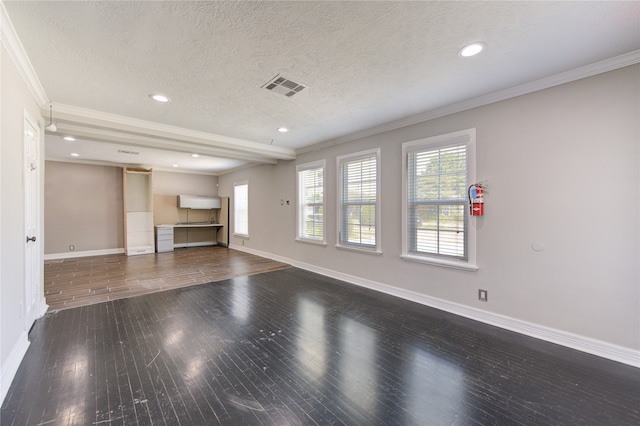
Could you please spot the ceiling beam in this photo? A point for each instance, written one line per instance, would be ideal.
(128, 139)
(97, 126)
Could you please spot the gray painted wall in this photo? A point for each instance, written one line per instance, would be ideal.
(16, 100)
(563, 170)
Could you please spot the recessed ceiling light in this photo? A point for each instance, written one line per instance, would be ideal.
(69, 138)
(159, 98)
(283, 129)
(195, 155)
(74, 154)
(471, 49)
(175, 165)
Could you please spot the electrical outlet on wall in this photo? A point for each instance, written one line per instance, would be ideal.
(483, 295)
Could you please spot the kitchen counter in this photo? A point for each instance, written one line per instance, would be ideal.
(165, 236)
(190, 225)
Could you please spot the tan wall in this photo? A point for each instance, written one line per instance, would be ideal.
(83, 207)
(166, 188)
(166, 211)
(169, 183)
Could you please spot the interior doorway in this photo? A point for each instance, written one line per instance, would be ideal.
(33, 262)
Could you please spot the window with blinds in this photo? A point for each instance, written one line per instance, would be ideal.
(436, 218)
(241, 208)
(358, 217)
(437, 214)
(311, 202)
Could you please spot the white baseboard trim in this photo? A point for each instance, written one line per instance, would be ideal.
(10, 367)
(72, 254)
(42, 307)
(198, 244)
(584, 344)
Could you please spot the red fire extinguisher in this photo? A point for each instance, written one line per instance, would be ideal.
(476, 199)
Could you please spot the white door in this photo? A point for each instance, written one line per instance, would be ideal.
(33, 240)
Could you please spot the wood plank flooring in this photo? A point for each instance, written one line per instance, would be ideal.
(82, 281)
(289, 347)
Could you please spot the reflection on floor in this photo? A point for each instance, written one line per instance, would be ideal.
(290, 347)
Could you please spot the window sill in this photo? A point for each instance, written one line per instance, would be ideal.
(243, 236)
(455, 264)
(359, 250)
(312, 242)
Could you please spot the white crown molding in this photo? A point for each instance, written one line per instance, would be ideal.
(584, 344)
(16, 51)
(596, 68)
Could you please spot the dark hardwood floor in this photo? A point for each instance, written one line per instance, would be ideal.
(290, 347)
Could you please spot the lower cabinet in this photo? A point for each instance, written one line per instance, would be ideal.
(164, 238)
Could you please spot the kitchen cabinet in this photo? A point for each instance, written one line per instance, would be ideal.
(164, 239)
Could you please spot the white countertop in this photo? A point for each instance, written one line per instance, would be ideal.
(190, 225)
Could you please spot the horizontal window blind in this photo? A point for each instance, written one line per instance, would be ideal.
(311, 203)
(436, 189)
(358, 200)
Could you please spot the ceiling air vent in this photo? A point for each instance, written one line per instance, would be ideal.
(124, 151)
(283, 86)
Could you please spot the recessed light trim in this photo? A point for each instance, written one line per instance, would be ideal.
(195, 155)
(283, 129)
(471, 49)
(69, 138)
(74, 154)
(159, 98)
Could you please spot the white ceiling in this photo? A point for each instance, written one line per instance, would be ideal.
(364, 64)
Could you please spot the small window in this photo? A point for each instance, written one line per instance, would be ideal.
(358, 205)
(241, 208)
(436, 226)
(311, 202)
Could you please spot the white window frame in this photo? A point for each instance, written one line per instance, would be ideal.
(300, 169)
(467, 137)
(236, 231)
(377, 249)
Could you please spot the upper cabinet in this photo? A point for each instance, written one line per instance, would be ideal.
(138, 211)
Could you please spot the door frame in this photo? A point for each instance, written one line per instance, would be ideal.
(34, 305)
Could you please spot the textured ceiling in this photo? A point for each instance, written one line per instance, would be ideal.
(364, 63)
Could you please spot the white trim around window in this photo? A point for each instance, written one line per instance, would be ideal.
(359, 202)
(310, 205)
(452, 240)
(241, 209)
